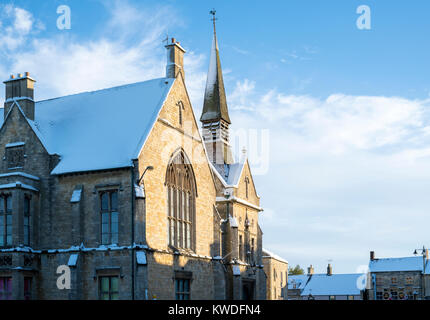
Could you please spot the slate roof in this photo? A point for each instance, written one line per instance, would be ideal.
(325, 285)
(398, 264)
(215, 102)
(334, 285)
(99, 130)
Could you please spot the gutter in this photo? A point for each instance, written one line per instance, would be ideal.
(132, 232)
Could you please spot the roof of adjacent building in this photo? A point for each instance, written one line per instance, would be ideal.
(215, 102)
(398, 264)
(98, 130)
(268, 254)
(325, 285)
(297, 281)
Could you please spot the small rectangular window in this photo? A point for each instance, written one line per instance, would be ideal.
(5, 221)
(109, 217)
(15, 156)
(5, 288)
(27, 203)
(27, 288)
(182, 289)
(109, 288)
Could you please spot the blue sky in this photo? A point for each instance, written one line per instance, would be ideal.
(347, 109)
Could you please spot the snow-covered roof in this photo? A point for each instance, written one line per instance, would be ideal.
(268, 254)
(76, 195)
(336, 284)
(297, 281)
(398, 264)
(102, 129)
(232, 181)
(141, 257)
(73, 260)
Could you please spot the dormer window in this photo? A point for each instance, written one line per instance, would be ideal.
(15, 155)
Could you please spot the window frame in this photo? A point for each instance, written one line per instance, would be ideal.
(109, 212)
(181, 203)
(27, 221)
(110, 291)
(184, 293)
(6, 221)
(6, 284)
(28, 282)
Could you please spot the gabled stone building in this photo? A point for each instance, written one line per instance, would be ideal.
(120, 187)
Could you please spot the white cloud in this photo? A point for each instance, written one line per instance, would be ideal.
(62, 64)
(348, 174)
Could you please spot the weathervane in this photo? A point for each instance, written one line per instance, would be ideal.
(167, 39)
(213, 13)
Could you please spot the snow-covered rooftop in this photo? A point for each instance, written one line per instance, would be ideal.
(336, 284)
(268, 254)
(102, 129)
(398, 264)
(297, 281)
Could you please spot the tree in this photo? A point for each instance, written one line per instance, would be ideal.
(295, 271)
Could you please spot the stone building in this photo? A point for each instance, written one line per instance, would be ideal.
(276, 269)
(119, 189)
(405, 278)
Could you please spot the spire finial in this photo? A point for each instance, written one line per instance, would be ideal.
(213, 13)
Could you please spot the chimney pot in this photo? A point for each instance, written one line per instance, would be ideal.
(372, 255)
(27, 74)
(329, 270)
(12, 76)
(19, 75)
(175, 60)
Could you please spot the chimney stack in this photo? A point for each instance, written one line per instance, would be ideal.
(329, 270)
(175, 59)
(372, 255)
(310, 270)
(21, 90)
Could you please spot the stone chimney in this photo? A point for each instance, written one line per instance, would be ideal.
(175, 59)
(372, 255)
(20, 88)
(310, 270)
(329, 270)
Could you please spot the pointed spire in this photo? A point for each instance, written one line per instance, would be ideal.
(215, 102)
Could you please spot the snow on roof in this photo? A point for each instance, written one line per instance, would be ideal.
(398, 264)
(18, 184)
(234, 173)
(141, 257)
(73, 259)
(336, 284)
(15, 144)
(297, 281)
(76, 195)
(268, 254)
(102, 129)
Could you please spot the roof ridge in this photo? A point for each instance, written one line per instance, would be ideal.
(101, 90)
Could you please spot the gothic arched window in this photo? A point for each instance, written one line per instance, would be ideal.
(247, 187)
(181, 202)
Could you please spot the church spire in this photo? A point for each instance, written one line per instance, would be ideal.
(215, 102)
(215, 119)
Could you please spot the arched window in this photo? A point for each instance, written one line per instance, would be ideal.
(247, 187)
(180, 105)
(181, 202)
